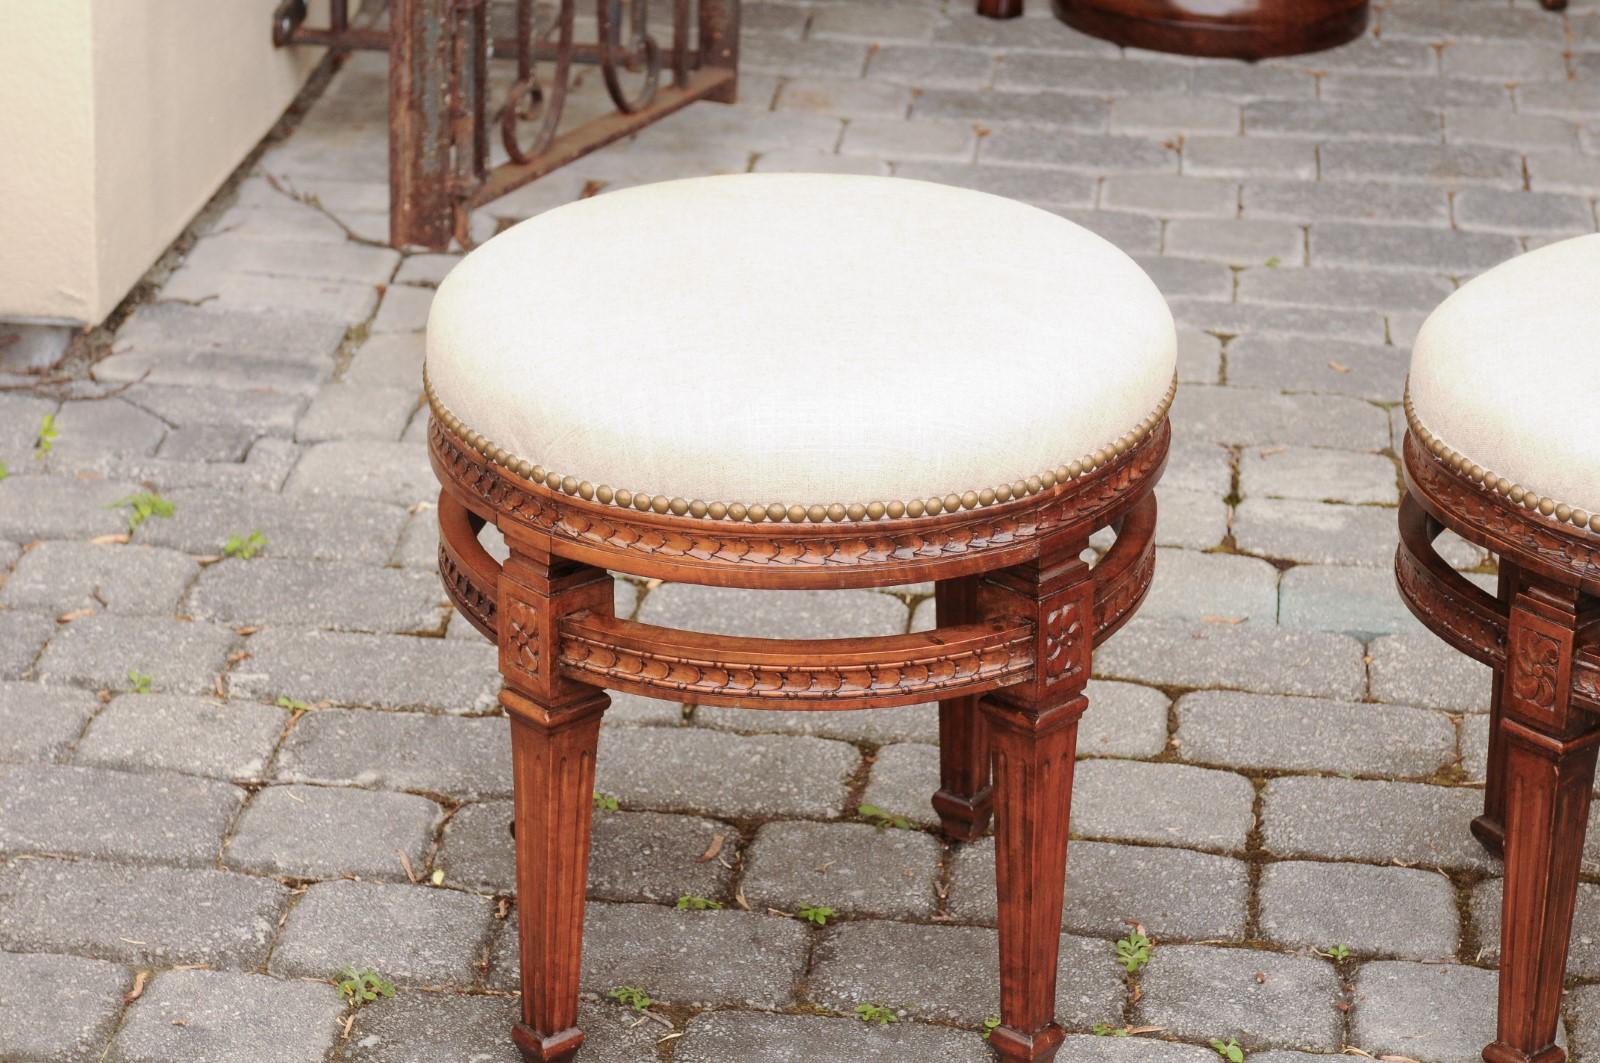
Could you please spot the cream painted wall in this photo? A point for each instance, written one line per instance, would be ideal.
(118, 121)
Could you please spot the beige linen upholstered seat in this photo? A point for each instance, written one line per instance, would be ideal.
(1504, 376)
(799, 346)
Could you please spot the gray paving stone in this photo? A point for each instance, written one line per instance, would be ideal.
(179, 656)
(389, 472)
(1583, 1018)
(1082, 152)
(1422, 670)
(914, 723)
(1080, 114)
(321, 594)
(22, 636)
(631, 709)
(1253, 82)
(1265, 1000)
(60, 1008)
(1312, 734)
(1177, 894)
(1243, 657)
(144, 916)
(1171, 197)
(1315, 532)
(924, 66)
(1173, 115)
(1199, 353)
(307, 528)
(319, 832)
(201, 1015)
(1317, 120)
(706, 958)
(1563, 172)
(1337, 598)
(1470, 22)
(97, 428)
(261, 409)
(1380, 248)
(1503, 61)
(414, 935)
(162, 817)
(969, 28)
(1346, 201)
(893, 138)
(207, 443)
(358, 411)
(384, 671)
(1342, 287)
(41, 723)
(1101, 76)
(717, 1036)
(1092, 1049)
(886, 23)
(1176, 804)
(388, 360)
(175, 329)
(1234, 319)
(1194, 586)
(1583, 959)
(60, 577)
(1199, 279)
(1123, 720)
(1237, 242)
(1047, 188)
(1524, 213)
(316, 260)
(1382, 822)
(1248, 157)
(1502, 129)
(1474, 744)
(952, 973)
(23, 415)
(52, 507)
(1250, 417)
(903, 780)
(852, 98)
(1383, 911)
(634, 856)
(1441, 1012)
(399, 751)
(853, 868)
(9, 552)
(692, 770)
(422, 1026)
(1317, 475)
(332, 299)
(774, 614)
(404, 309)
(1372, 55)
(196, 736)
(1446, 165)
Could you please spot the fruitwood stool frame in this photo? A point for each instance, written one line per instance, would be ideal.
(1019, 613)
(1541, 635)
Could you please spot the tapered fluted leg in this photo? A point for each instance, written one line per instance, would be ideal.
(1033, 760)
(1033, 734)
(1489, 828)
(1549, 762)
(553, 766)
(965, 800)
(555, 726)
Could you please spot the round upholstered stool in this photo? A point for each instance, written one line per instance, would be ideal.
(788, 382)
(1502, 448)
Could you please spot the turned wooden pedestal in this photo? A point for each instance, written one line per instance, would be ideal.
(1019, 612)
(1538, 633)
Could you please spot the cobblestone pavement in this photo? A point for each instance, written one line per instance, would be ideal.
(221, 777)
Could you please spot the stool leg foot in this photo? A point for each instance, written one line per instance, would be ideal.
(965, 800)
(1033, 762)
(553, 754)
(1005, 8)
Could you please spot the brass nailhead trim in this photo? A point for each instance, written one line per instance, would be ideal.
(1491, 481)
(797, 514)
